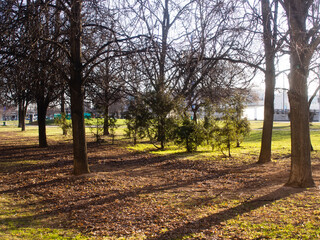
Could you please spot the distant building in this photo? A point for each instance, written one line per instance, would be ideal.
(255, 110)
(8, 113)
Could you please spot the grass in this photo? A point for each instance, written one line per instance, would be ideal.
(245, 202)
(290, 223)
(281, 143)
(19, 223)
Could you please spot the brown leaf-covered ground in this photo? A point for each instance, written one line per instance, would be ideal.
(139, 195)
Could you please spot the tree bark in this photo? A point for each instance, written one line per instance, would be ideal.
(268, 39)
(106, 121)
(63, 111)
(78, 129)
(301, 174)
(22, 110)
(265, 152)
(300, 56)
(161, 79)
(19, 114)
(162, 131)
(42, 112)
(77, 92)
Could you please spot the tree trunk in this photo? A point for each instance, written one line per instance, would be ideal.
(300, 175)
(300, 56)
(265, 152)
(106, 121)
(161, 80)
(229, 148)
(42, 112)
(162, 131)
(195, 117)
(78, 130)
(77, 92)
(63, 112)
(135, 137)
(22, 110)
(21, 116)
(268, 39)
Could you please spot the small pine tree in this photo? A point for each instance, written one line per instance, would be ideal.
(210, 127)
(64, 123)
(138, 120)
(189, 134)
(242, 125)
(242, 130)
(96, 128)
(112, 127)
(227, 133)
(234, 128)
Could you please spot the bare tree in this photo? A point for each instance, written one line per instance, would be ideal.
(270, 32)
(157, 19)
(14, 52)
(17, 88)
(187, 41)
(76, 85)
(106, 88)
(303, 20)
(84, 55)
(47, 80)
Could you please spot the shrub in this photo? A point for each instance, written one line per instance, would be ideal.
(138, 120)
(234, 127)
(189, 134)
(112, 126)
(96, 128)
(64, 123)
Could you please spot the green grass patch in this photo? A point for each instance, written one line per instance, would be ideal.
(281, 143)
(19, 222)
(164, 194)
(295, 217)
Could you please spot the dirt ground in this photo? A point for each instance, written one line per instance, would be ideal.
(137, 194)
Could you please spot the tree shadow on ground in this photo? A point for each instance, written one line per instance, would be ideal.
(33, 158)
(111, 196)
(215, 219)
(74, 208)
(60, 196)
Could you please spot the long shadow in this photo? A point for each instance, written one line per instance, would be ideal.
(107, 198)
(112, 165)
(23, 147)
(45, 184)
(132, 160)
(23, 151)
(18, 156)
(122, 160)
(34, 167)
(48, 157)
(111, 196)
(143, 161)
(181, 231)
(215, 219)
